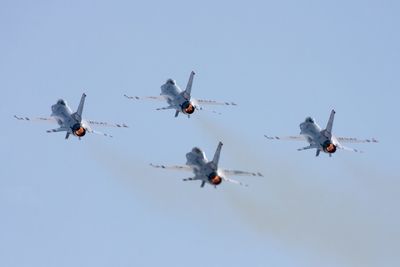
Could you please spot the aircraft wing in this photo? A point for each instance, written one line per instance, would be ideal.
(290, 138)
(160, 97)
(213, 102)
(106, 124)
(355, 140)
(173, 167)
(350, 149)
(234, 181)
(99, 133)
(242, 173)
(36, 119)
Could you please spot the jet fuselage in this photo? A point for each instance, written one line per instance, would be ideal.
(315, 136)
(66, 119)
(203, 169)
(63, 114)
(176, 98)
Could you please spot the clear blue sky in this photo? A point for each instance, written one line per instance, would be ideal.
(96, 202)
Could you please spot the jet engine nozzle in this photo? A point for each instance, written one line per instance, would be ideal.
(329, 147)
(187, 107)
(78, 130)
(214, 178)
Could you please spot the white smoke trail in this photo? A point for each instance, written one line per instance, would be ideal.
(297, 209)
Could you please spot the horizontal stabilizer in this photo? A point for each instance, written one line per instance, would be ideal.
(166, 108)
(307, 147)
(57, 130)
(190, 179)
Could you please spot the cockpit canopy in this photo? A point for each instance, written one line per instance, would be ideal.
(61, 102)
(310, 120)
(170, 81)
(197, 150)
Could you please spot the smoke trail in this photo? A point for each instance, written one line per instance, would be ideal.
(167, 194)
(292, 205)
(298, 209)
(134, 173)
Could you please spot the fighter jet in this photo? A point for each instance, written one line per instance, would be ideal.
(71, 122)
(322, 140)
(207, 171)
(178, 100)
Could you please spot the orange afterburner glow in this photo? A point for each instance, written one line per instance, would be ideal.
(187, 107)
(214, 179)
(80, 132)
(329, 147)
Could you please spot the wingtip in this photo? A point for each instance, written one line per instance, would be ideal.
(153, 165)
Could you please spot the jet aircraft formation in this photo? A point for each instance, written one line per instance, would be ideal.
(181, 101)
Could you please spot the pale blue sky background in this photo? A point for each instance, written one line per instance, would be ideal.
(95, 202)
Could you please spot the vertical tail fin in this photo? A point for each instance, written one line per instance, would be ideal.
(78, 114)
(330, 122)
(217, 154)
(188, 90)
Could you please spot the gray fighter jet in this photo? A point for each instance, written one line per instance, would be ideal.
(178, 100)
(207, 171)
(71, 122)
(322, 140)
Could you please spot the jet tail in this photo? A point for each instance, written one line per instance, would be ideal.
(329, 125)
(188, 90)
(217, 154)
(78, 114)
